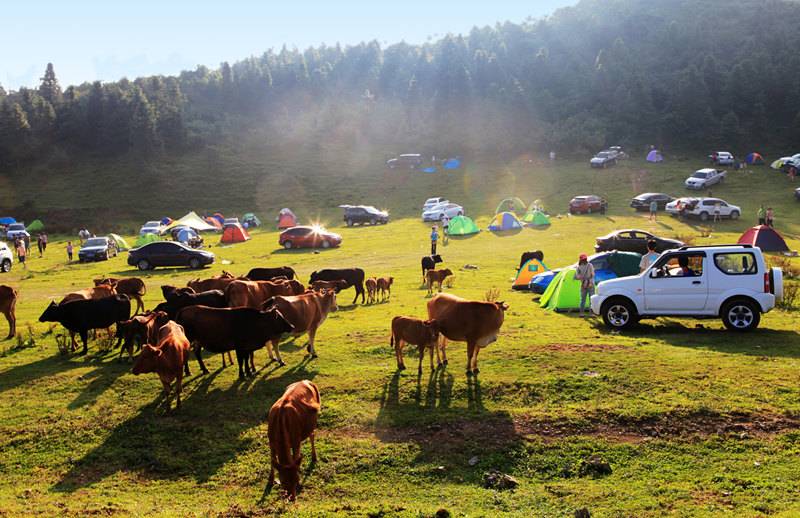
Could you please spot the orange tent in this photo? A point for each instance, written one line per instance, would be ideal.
(286, 219)
(214, 222)
(234, 233)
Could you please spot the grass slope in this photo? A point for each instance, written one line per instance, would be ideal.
(693, 421)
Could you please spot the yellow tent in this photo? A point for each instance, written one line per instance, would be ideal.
(528, 271)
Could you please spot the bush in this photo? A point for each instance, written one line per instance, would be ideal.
(791, 296)
(491, 295)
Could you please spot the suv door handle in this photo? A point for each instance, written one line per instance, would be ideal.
(697, 282)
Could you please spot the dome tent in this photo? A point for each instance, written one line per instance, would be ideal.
(536, 218)
(511, 205)
(145, 239)
(122, 245)
(35, 226)
(655, 157)
(766, 238)
(234, 233)
(754, 159)
(525, 274)
(286, 219)
(504, 221)
(251, 220)
(607, 265)
(462, 226)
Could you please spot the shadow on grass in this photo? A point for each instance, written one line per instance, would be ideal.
(29, 372)
(205, 434)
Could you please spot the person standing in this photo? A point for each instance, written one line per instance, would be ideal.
(69, 250)
(762, 215)
(653, 210)
(22, 253)
(770, 217)
(650, 257)
(44, 241)
(40, 244)
(717, 211)
(434, 239)
(584, 272)
(445, 224)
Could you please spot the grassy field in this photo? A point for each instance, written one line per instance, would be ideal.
(693, 420)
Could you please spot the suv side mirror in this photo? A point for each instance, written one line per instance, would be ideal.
(654, 273)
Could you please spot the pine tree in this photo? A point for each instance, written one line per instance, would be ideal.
(49, 87)
(143, 137)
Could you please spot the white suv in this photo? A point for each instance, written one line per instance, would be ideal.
(703, 208)
(731, 282)
(6, 258)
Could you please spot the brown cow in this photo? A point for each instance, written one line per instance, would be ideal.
(372, 289)
(385, 287)
(336, 286)
(8, 304)
(438, 277)
(98, 292)
(218, 282)
(170, 292)
(292, 419)
(422, 333)
(168, 358)
(253, 294)
(305, 313)
(474, 322)
(141, 329)
(133, 287)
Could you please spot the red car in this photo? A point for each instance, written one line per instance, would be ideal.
(308, 237)
(587, 204)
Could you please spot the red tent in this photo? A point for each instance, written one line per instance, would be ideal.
(766, 238)
(286, 219)
(234, 233)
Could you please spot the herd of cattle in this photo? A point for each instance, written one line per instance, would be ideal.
(226, 313)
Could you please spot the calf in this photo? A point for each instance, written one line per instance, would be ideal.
(291, 420)
(141, 329)
(385, 287)
(422, 333)
(306, 313)
(336, 286)
(79, 316)
(243, 330)
(372, 289)
(168, 358)
(429, 263)
(133, 287)
(527, 256)
(474, 322)
(438, 277)
(98, 292)
(211, 298)
(8, 304)
(352, 276)
(270, 274)
(253, 294)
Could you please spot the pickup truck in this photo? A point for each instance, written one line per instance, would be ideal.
(705, 178)
(730, 282)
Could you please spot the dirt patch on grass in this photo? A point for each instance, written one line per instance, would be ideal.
(585, 348)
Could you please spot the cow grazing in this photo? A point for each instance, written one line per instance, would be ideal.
(270, 274)
(461, 320)
(141, 329)
(372, 289)
(79, 316)
(527, 256)
(218, 282)
(336, 286)
(211, 298)
(352, 276)
(243, 330)
(422, 333)
(98, 292)
(170, 292)
(168, 358)
(385, 287)
(291, 420)
(253, 294)
(437, 277)
(133, 287)
(306, 313)
(8, 304)
(429, 263)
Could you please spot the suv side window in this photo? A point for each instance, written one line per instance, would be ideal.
(740, 263)
(679, 265)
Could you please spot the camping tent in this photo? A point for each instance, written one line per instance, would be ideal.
(166, 221)
(214, 222)
(144, 239)
(192, 220)
(7, 220)
(655, 156)
(122, 245)
(219, 217)
(286, 219)
(511, 205)
(431, 169)
(526, 274)
(777, 164)
(35, 226)
(251, 220)
(462, 226)
(452, 163)
(564, 291)
(504, 221)
(607, 265)
(754, 159)
(186, 235)
(536, 218)
(766, 238)
(234, 233)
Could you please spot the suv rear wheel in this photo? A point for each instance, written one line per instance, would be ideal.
(618, 313)
(735, 214)
(704, 216)
(741, 315)
(349, 222)
(5, 266)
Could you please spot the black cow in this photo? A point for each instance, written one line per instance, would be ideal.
(429, 262)
(170, 292)
(79, 316)
(527, 256)
(180, 300)
(243, 330)
(268, 274)
(352, 276)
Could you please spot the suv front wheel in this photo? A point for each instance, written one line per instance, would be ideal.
(741, 315)
(618, 313)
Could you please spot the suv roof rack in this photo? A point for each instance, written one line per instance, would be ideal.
(715, 246)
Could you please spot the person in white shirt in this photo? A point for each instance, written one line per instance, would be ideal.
(650, 257)
(584, 272)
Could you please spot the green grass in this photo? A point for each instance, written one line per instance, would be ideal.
(694, 421)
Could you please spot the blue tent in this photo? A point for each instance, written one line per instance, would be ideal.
(429, 170)
(187, 234)
(540, 282)
(7, 220)
(607, 265)
(452, 163)
(504, 221)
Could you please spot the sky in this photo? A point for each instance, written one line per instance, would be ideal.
(88, 40)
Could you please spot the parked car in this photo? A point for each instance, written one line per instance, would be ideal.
(16, 231)
(168, 253)
(731, 282)
(432, 202)
(437, 212)
(151, 227)
(621, 155)
(308, 237)
(97, 249)
(604, 159)
(6, 258)
(408, 161)
(632, 240)
(642, 202)
(363, 214)
(587, 204)
(705, 178)
(722, 158)
(703, 208)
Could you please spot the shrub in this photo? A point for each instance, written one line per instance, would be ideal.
(791, 296)
(790, 269)
(491, 295)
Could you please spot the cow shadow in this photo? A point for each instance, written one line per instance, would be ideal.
(195, 441)
(27, 373)
(102, 377)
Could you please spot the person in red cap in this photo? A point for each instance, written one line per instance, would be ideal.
(584, 272)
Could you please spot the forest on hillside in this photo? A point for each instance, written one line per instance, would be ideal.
(689, 74)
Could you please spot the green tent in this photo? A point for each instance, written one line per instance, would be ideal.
(511, 205)
(536, 218)
(145, 239)
(122, 245)
(251, 220)
(563, 293)
(35, 226)
(462, 226)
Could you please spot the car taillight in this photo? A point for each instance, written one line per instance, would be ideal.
(766, 283)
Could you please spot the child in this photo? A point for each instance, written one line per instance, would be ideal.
(22, 253)
(69, 250)
(434, 239)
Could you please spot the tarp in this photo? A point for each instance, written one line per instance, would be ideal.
(536, 218)
(452, 163)
(144, 239)
(35, 226)
(122, 245)
(192, 220)
(429, 170)
(234, 233)
(754, 159)
(462, 226)
(504, 221)
(777, 164)
(7, 220)
(511, 205)
(766, 238)
(654, 156)
(286, 219)
(251, 220)
(525, 274)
